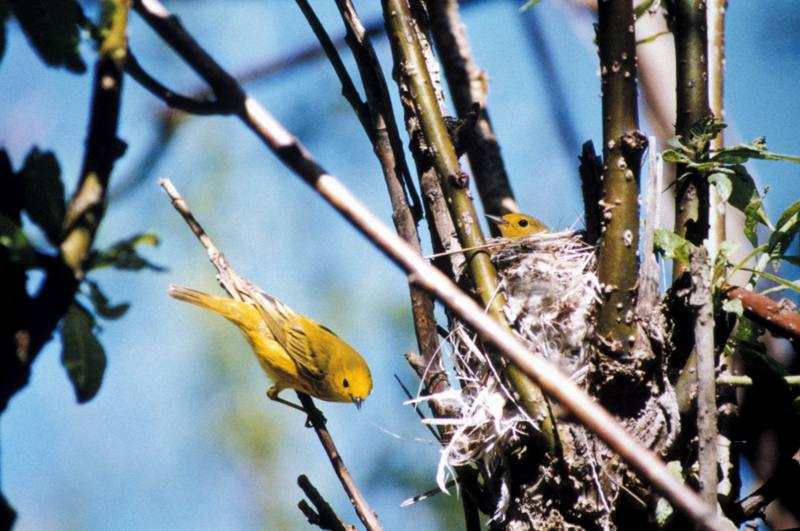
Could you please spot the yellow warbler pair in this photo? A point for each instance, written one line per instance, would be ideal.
(297, 352)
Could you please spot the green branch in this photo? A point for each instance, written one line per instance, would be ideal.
(691, 53)
(623, 146)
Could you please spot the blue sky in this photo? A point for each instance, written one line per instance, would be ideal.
(157, 447)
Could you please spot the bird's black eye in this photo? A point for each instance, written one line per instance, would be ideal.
(523, 223)
(345, 383)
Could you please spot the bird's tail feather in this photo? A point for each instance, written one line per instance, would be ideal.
(229, 308)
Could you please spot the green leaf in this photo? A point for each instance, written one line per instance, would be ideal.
(123, 255)
(789, 215)
(777, 156)
(745, 197)
(82, 354)
(101, 304)
(776, 279)
(723, 185)
(743, 188)
(43, 192)
(672, 245)
(674, 155)
(734, 306)
(751, 219)
(53, 29)
(13, 238)
(786, 231)
(529, 4)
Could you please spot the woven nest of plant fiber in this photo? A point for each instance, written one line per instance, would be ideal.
(550, 286)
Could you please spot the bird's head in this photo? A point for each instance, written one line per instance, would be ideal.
(517, 225)
(355, 381)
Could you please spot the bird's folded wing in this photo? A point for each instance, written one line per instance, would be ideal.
(287, 328)
(301, 350)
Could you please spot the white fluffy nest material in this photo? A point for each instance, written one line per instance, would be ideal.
(550, 284)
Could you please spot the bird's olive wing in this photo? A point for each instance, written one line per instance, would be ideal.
(301, 349)
(289, 331)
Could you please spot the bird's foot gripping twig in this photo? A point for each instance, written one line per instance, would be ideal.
(313, 414)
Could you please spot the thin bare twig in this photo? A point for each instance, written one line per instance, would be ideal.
(547, 375)
(240, 289)
(469, 88)
(324, 517)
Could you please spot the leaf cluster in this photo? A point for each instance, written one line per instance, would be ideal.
(725, 169)
(31, 230)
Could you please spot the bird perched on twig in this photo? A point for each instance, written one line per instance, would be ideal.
(296, 352)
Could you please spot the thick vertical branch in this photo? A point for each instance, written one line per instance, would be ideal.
(700, 300)
(727, 455)
(454, 182)
(468, 87)
(623, 146)
(689, 28)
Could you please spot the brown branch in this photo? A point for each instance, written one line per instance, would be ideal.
(700, 300)
(728, 453)
(648, 299)
(716, 80)
(84, 213)
(349, 90)
(623, 146)
(780, 319)
(365, 513)
(547, 375)
(469, 87)
(192, 105)
(324, 517)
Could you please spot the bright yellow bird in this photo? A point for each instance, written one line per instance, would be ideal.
(295, 351)
(518, 225)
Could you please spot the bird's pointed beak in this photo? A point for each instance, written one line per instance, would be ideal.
(357, 401)
(496, 220)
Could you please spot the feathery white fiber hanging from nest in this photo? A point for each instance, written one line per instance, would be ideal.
(551, 287)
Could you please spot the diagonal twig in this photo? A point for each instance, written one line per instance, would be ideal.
(324, 517)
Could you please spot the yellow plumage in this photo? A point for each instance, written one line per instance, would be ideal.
(295, 351)
(518, 225)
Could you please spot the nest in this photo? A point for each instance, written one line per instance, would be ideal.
(551, 288)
